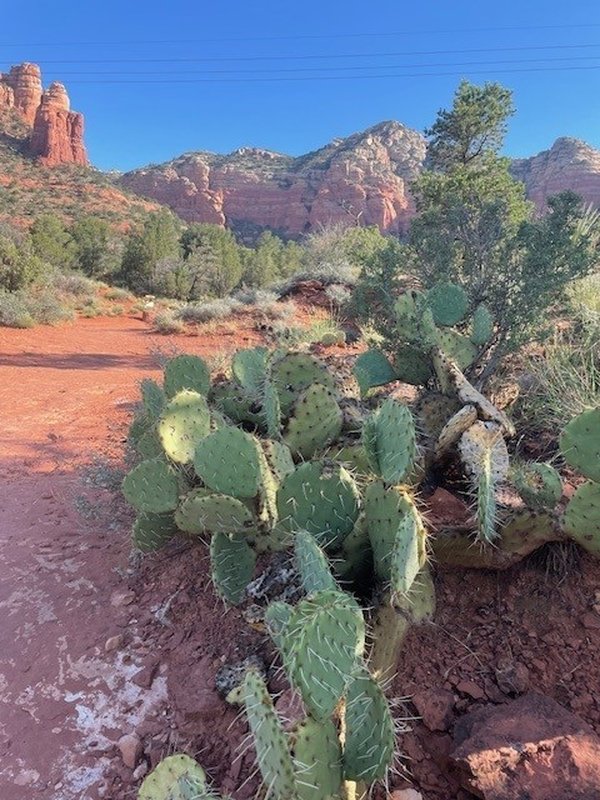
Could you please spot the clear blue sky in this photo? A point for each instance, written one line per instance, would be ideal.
(153, 106)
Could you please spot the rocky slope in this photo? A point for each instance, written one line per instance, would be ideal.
(568, 164)
(363, 178)
(56, 135)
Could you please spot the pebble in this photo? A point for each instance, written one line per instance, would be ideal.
(140, 771)
(130, 746)
(113, 643)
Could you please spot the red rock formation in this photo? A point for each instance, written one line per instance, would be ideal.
(568, 164)
(57, 135)
(363, 179)
(21, 89)
(56, 132)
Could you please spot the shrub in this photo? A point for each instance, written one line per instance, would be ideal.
(46, 308)
(209, 310)
(166, 322)
(18, 266)
(13, 311)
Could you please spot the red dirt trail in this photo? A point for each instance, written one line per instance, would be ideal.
(66, 395)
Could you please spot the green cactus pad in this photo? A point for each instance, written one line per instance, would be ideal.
(236, 404)
(203, 513)
(372, 369)
(580, 443)
(486, 514)
(370, 740)
(232, 566)
(539, 485)
(164, 781)
(482, 328)
(389, 629)
(271, 409)
(186, 372)
(433, 411)
(318, 760)
(270, 742)
(250, 368)
(185, 421)
(316, 421)
(153, 398)
(153, 531)
(384, 510)
(412, 365)
(149, 445)
(152, 487)
(448, 303)
(326, 636)
(582, 517)
(459, 349)
(353, 457)
(322, 498)
(312, 564)
(295, 372)
(408, 552)
(139, 425)
(228, 461)
(407, 309)
(279, 458)
(389, 440)
(277, 617)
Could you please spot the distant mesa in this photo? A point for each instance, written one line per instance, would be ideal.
(56, 135)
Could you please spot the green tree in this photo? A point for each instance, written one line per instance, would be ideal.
(94, 246)
(19, 266)
(52, 242)
(215, 258)
(143, 251)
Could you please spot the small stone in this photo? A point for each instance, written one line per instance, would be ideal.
(406, 794)
(122, 598)
(140, 771)
(130, 746)
(471, 689)
(113, 643)
(512, 677)
(435, 707)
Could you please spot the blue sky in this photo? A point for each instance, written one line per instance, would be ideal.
(158, 79)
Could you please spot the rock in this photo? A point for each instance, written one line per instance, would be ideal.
(130, 746)
(57, 135)
(529, 748)
(113, 643)
(124, 597)
(140, 771)
(362, 178)
(435, 707)
(471, 689)
(196, 699)
(406, 794)
(512, 677)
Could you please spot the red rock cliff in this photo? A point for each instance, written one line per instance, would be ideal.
(56, 131)
(363, 178)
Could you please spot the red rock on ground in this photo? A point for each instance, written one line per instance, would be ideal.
(530, 748)
(435, 707)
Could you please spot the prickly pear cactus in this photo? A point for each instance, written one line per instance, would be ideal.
(539, 485)
(294, 373)
(277, 616)
(390, 442)
(580, 444)
(315, 422)
(412, 365)
(372, 369)
(186, 372)
(272, 750)
(172, 775)
(385, 508)
(311, 564)
(448, 303)
(228, 461)
(582, 517)
(250, 369)
(153, 398)
(370, 740)
(232, 565)
(203, 513)
(152, 487)
(317, 759)
(322, 498)
(184, 422)
(482, 328)
(408, 552)
(326, 638)
(153, 531)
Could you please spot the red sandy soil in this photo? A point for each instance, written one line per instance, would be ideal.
(69, 584)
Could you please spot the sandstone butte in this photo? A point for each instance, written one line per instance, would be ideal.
(56, 135)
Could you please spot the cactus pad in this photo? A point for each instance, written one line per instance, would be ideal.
(295, 372)
(315, 422)
(458, 348)
(407, 309)
(390, 441)
(236, 404)
(149, 445)
(271, 409)
(372, 369)
(384, 510)
(232, 565)
(482, 328)
(454, 429)
(279, 458)
(408, 552)
(270, 742)
(483, 444)
(580, 443)
(250, 368)
(153, 531)
(185, 421)
(318, 760)
(277, 617)
(582, 517)
(370, 740)
(539, 485)
(311, 564)
(448, 303)
(412, 365)
(433, 410)
(173, 772)
(186, 372)
(203, 513)
(326, 636)
(153, 398)
(152, 487)
(321, 498)
(228, 461)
